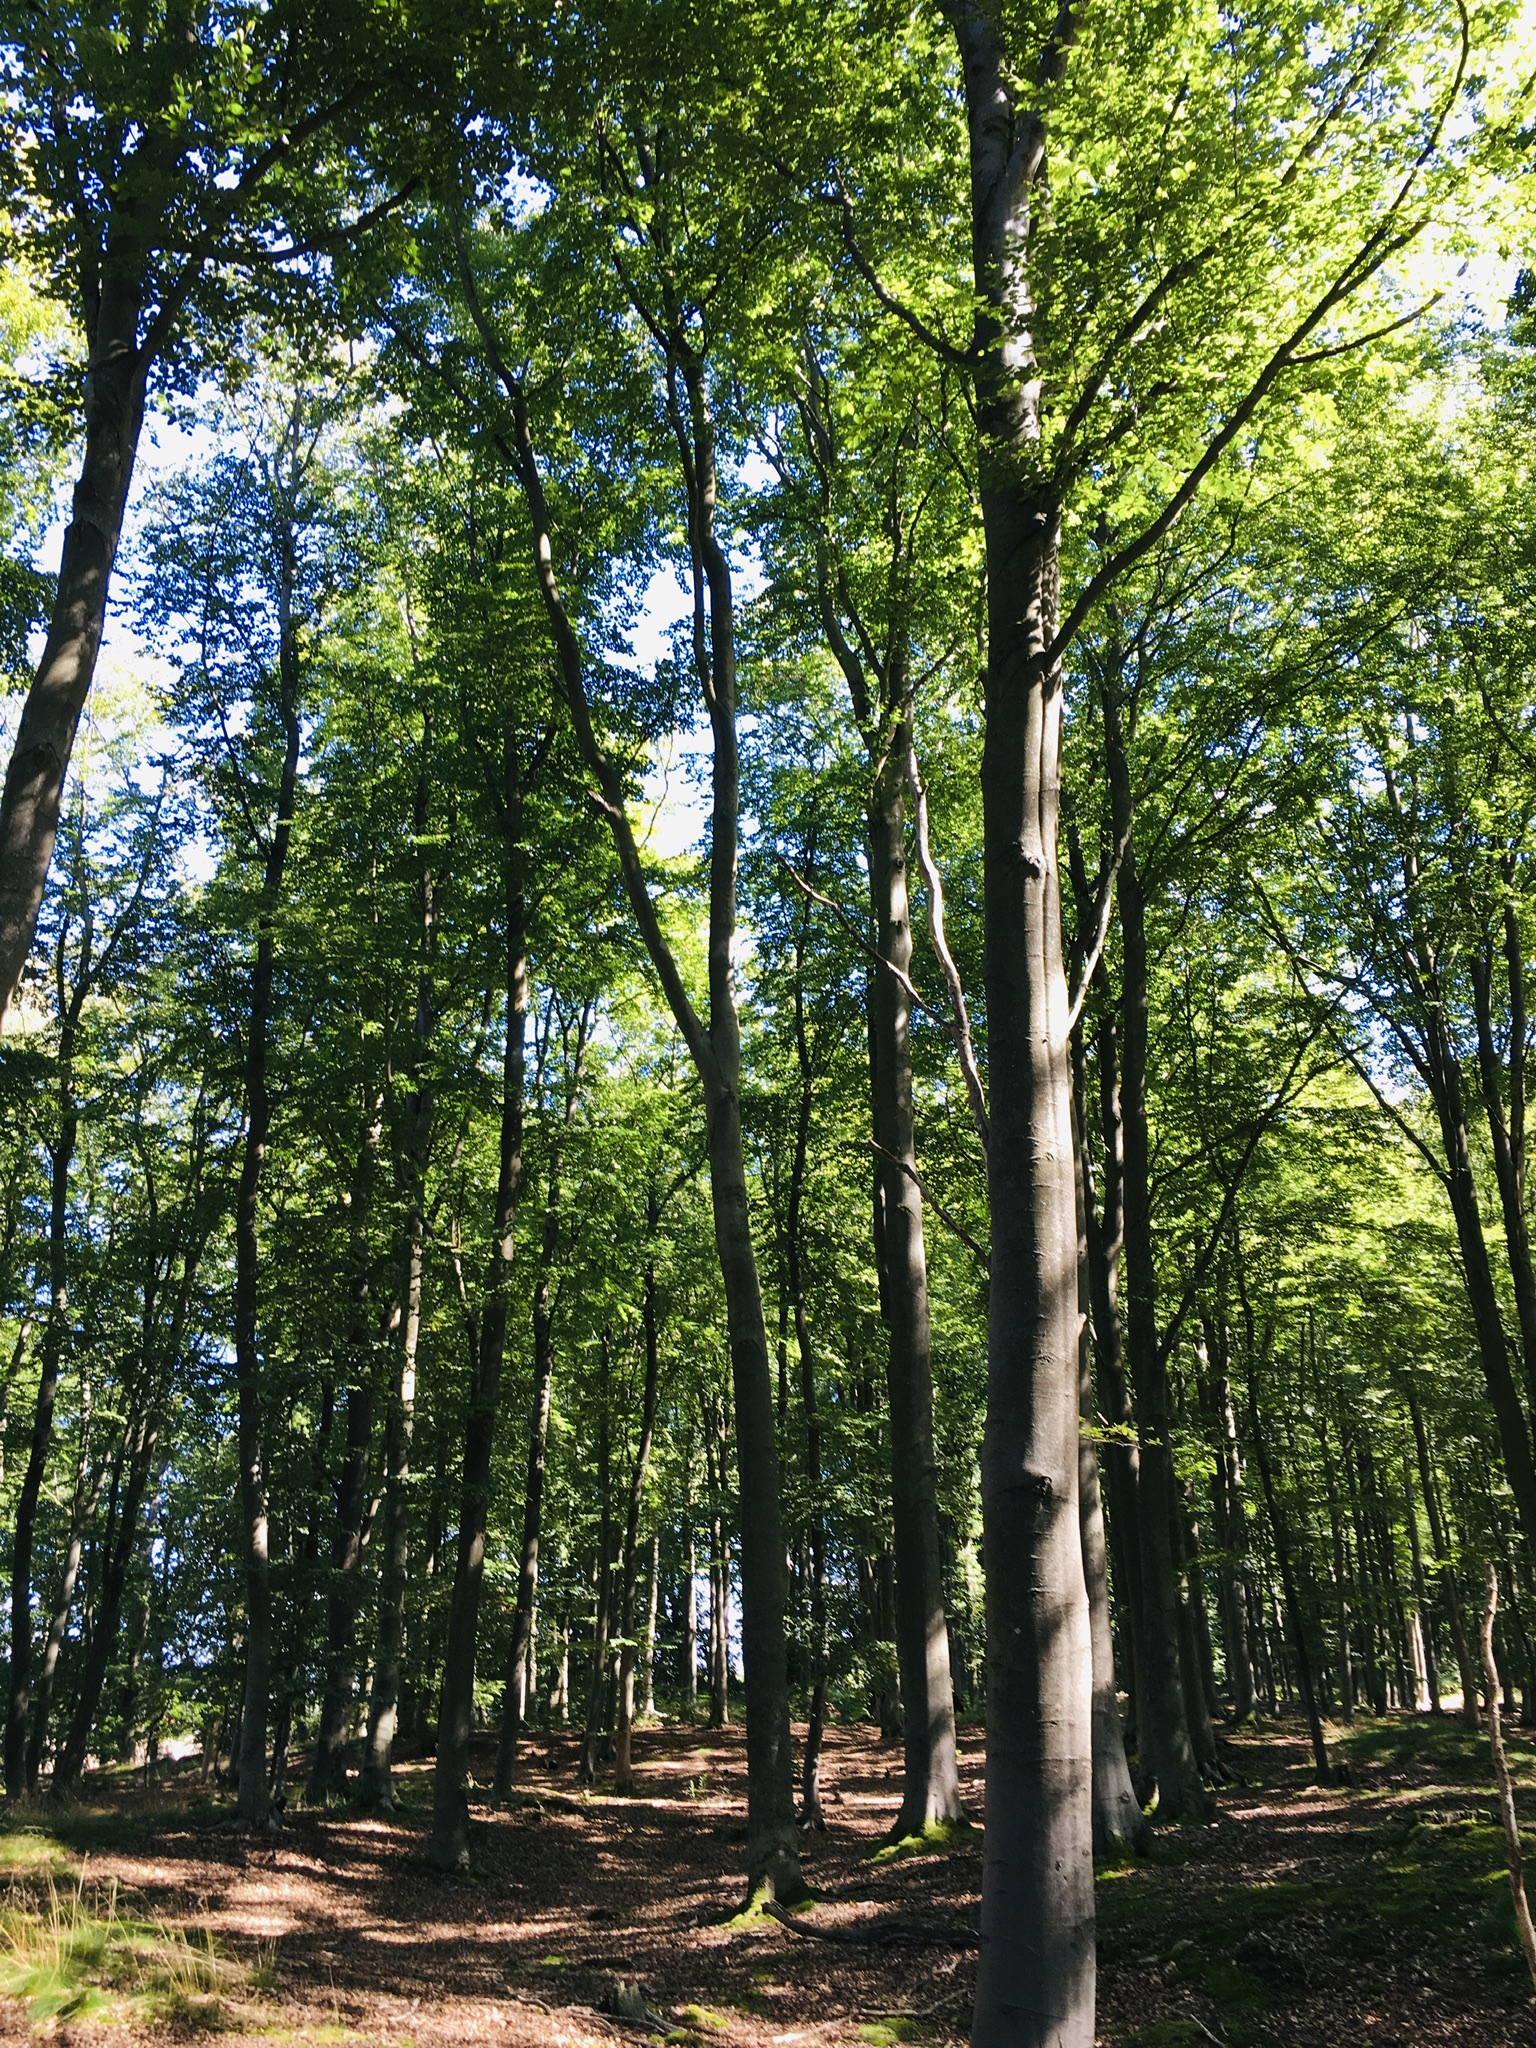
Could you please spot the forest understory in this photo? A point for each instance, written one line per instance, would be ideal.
(1374, 1913)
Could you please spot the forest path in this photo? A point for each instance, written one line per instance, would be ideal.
(1374, 1916)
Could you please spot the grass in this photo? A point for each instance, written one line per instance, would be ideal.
(68, 1955)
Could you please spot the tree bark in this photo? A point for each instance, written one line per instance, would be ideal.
(374, 1780)
(514, 1695)
(931, 1791)
(252, 1761)
(773, 1852)
(1169, 1758)
(1035, 1981)
(328, 1771)
(448, 1848)
(45, 738)
(51, 1352)
(82, 1510)
(623, 1759)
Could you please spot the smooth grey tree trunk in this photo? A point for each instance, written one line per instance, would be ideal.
(1035, 1978)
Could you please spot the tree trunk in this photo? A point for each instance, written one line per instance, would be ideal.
(623, 1760)
(252, 1761)
(143, 1438)
(812, 1814)
(82, 1510)
(45, 738)
(448, 1848)
(1293, 1608)
(931, 1794)
(1445, 1570)
(52, 1350)
(593, 1724)
(1164, 1713)
(1035, 1981)
(328, 1771)
(374, 1785)
(514, 1696)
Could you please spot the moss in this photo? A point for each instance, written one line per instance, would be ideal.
(938, 1838)
(704, 2019)
(883, 2033)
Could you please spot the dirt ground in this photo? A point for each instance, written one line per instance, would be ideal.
(1376, 1914)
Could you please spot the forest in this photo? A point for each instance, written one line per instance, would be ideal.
(766, 876)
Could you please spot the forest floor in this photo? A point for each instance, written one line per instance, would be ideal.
(1374, 1914)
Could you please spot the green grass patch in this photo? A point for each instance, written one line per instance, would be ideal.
(1439, 1746)
(70, 1956)
(885, 2033)
(31, 1854)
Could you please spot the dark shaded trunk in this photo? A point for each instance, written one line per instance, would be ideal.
(594, 1724)
(773, 1852)
(623, 1759)
(255, 1562)
(1231, 1530)
(1445, 1570)
(116, 1562)
(931, 1794)
(55, 1330)
(486, 1332)
(45, 738)
(1165, 1709)
(812, 1814)
(328, 1771)
(374, 1779)
(82, 1510)
(1295, 1617)
(514, 1696)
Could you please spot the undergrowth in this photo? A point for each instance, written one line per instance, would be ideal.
(67, 1953)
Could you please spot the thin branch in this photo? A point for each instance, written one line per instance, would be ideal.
(960, 1021)
(950, 1223)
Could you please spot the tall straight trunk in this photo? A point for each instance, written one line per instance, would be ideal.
(1231, 1532)
(256, 1568)
(374, 1782)
(328, 1769)
(54, 1332)
(1341, 1574)
(812, 1814)
(773, 1851)
(652, 1601)
(1445, 1569)
(1164, 1712)
(1119, 1825)
(1035, 1981)
(593, 1724)
(117, 1561)
(1506, 1126)
(623, 1759)
(1424, 1617)
(82, 1508)
(34, 781)
(719, 1662)
(931, 1792)
(689, 1650)
(1103, 1241)
(514, 1696)
(448, 1848)
(1295, 1616)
